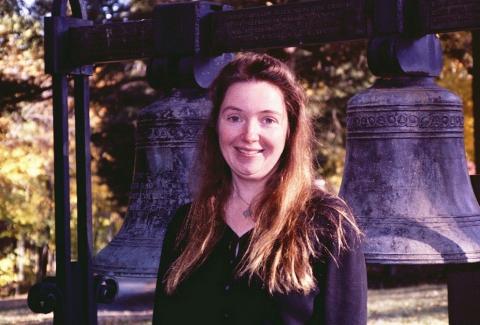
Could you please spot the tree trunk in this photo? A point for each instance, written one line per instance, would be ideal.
(42, 253)
(20, 263)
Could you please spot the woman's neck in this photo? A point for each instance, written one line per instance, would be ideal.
(238, 212)
(248, 190)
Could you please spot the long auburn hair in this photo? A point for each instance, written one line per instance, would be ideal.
(286, 235)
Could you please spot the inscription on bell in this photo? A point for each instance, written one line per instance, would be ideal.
(164, 134)
(405, 121)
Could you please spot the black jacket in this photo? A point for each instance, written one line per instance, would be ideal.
(212, 295)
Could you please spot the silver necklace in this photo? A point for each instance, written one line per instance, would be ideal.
(247, 213)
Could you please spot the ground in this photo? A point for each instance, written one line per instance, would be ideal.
(419, 305)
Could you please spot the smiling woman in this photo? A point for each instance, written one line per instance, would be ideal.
(260, 244)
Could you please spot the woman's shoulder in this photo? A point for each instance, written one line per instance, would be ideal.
(327, 208)
(333, 219)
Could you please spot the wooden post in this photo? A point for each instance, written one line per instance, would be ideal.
(464, 285)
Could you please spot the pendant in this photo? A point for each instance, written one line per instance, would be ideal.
(247, 213)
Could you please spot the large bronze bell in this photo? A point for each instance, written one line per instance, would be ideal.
(167, 132)
(406, 175)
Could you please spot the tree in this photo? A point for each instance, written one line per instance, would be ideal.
(457, 77)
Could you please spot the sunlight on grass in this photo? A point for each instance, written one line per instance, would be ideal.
(420, 305)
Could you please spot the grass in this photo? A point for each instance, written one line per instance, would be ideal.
(419, 305)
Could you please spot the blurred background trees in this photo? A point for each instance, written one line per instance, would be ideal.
(330, 73)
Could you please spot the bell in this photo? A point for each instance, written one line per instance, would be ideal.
(166, 137)
(406, 176)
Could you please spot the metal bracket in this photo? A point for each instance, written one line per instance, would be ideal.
(400, 46)
(406, 17)
(187, 72)
(182, 29)
(388, 17)
(403, 56)
(57, 45)
(181, 46)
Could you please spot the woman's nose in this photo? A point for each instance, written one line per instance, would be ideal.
(251, 132)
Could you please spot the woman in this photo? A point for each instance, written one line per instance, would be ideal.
(260, 244)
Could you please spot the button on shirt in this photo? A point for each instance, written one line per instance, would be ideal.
(213, 294)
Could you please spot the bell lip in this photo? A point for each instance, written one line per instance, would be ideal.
(427, 259)
(112, 270)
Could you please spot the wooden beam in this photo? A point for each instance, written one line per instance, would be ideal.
(287, 25)
(247, 29)
(444, 16)
(111, 42)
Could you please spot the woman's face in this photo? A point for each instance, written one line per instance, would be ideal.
(252, 128)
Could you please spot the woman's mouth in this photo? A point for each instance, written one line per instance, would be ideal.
(248, 151)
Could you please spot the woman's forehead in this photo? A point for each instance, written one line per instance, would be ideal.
(254, 95)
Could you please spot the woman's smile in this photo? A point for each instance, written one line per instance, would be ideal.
(248, 152)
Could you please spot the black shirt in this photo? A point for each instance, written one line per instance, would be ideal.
(213, 295)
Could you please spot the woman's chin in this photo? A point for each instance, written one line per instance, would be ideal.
(250, 175)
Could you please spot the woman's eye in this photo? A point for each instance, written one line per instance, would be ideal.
(269, 120)
(234, 118)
